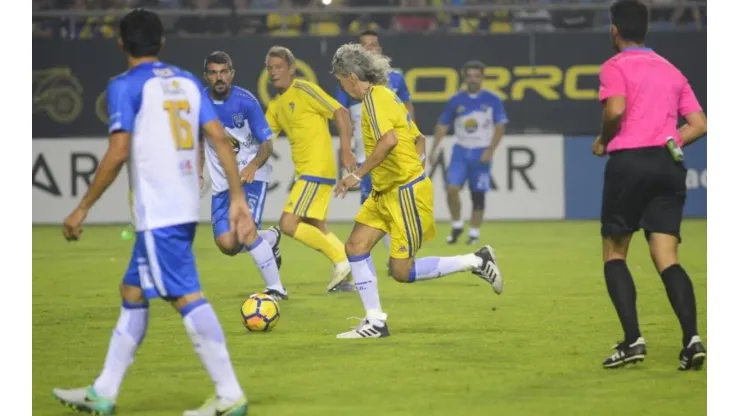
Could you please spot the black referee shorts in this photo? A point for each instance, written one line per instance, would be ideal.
(643, 188)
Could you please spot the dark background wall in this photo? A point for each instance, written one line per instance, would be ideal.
(549, 81)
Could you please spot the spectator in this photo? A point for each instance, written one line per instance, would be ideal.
(201, 24)
(285, 21)
(575, 18)
(381, 20)
(243, 25)
(416, 22)
(532, 19)
(42, 27)
(90, 27)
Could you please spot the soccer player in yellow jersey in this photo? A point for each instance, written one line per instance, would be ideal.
(302, 110)
(401, 202)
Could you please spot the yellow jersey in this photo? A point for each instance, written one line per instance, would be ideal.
(302, 112)
(383, 111)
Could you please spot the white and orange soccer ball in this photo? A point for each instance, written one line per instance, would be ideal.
(260, 313)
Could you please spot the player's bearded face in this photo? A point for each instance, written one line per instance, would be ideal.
(473, 79)
(219, 77)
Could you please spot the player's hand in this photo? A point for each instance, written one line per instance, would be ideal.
(248, 173)
(349, 162)
(487, 155)
(240, 218)
(72, 228)
(598, 148)
(348, 182)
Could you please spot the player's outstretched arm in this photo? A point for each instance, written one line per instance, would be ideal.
(109, 168)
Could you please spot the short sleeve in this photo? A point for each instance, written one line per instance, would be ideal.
(342, 97)
(403, 91)
(448, 113)
(207, 112)
(688, 103)
(121, 111)
(499, 112)
(257, 121)
(319, 100)
(379, 114)
(271, 118)
(611, 81)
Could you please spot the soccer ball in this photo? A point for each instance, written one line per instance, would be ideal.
(260, 313)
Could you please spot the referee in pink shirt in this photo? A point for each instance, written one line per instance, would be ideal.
(645, 177)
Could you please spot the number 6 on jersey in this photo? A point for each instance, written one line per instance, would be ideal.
(182, 132)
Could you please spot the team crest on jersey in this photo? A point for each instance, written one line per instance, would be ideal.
(292, 106)
(238, 119)
(186, 167)
(460, 109)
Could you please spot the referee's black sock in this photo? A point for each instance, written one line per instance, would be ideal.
(621, 289)
(681, 294)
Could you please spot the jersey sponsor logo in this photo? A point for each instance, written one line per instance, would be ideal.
(238, 120)
(470, 125)
(292, 106)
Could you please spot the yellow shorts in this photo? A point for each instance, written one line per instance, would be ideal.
(310, 198)
(405, 213)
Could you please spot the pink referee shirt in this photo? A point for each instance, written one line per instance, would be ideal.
(655, 92)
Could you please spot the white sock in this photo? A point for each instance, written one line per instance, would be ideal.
(208, 339)
(263, 257)
(127, 336)
(387, 242)
(458, 225)
(474, 232)
(269, 236)
(366, 281)
(428, 268)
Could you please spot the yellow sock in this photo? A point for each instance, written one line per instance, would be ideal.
(314, 238)
(337, 243)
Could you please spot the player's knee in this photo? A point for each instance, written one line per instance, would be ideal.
(353, 247)
(615, 247)
(181, 302)
(400, 270)
(453, 189)
(289, 223)
(132, 294)
(479, 200)
(227, 244)
(663, 250)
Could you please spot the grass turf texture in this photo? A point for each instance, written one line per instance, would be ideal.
(455, 346)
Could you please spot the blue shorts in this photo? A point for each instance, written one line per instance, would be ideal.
(162, 263)
(255, 193)
(466, 166)
(366, 186)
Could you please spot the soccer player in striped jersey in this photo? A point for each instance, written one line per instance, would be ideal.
(302, 110)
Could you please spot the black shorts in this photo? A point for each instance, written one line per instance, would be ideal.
(643, 188)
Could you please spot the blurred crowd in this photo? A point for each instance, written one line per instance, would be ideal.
(289, 17)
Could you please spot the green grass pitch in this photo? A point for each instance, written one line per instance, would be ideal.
(456, 348)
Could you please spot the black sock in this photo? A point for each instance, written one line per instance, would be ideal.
(681, 294)
(621, 289)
